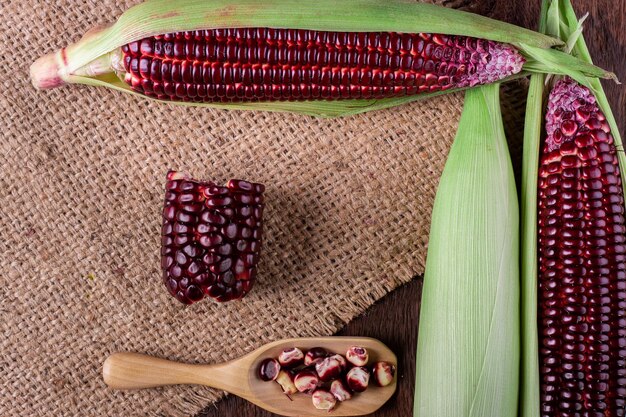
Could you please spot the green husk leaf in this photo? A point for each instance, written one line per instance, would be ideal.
(468, 344)
(533, 128)
(573, 37)
(551, 61)
(552, 19)
(162, 16)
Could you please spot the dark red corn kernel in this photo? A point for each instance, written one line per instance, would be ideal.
(323, 400)
(306, 381)
(314, 356)
(206, 250)
(244, 64)
(330, 368)
(383, 373)
(343, 364)
(340, 390)
(581, 266)
(358, 379)
(291, 357)
(269, 369)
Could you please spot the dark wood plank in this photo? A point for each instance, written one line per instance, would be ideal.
(394, 319)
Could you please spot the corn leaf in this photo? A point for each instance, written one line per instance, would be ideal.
(530, 352)
(551, 61)
(533, 128)
(468, 344)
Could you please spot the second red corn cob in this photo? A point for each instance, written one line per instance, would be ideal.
(582, 261)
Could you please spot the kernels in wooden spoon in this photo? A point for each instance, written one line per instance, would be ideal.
(320, 373)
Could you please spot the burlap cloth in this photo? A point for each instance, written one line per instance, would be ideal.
(81, 187)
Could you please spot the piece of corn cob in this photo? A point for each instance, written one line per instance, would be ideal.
(280, 64)
(582, 260)
(289, 55)
(211, 238)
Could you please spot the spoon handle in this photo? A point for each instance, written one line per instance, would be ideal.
(127, 370)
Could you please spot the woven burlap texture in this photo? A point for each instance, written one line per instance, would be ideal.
(81, 188)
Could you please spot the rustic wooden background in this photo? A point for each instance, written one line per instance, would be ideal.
(394, 319)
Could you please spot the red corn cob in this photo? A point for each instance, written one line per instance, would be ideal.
(211, 238)
(582, 261)
(259, 64)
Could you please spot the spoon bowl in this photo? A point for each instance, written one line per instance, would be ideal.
(240, 376)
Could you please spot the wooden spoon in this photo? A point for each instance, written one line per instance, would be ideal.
(240, 376)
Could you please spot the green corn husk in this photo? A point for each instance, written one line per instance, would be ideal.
(88, 61)
(529, 392)
(468, 343)
(533, 126)
(557, 19)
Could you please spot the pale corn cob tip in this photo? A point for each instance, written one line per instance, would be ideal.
(44, 73)
(501, 62)
(566, 96)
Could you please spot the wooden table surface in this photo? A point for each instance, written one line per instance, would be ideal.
(394, 319)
